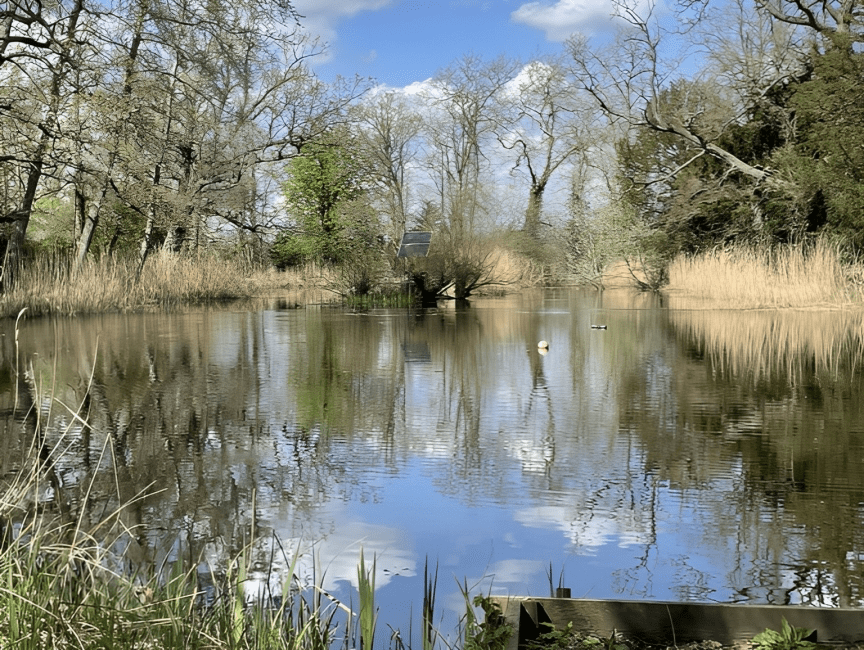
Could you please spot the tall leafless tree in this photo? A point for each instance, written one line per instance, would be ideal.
(464, 98)
(389, 137)
(546, 123)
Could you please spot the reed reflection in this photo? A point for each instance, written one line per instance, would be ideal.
(781, 392)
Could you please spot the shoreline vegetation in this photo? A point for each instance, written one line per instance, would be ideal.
(49, 285)
(797, 277)
(814, 276)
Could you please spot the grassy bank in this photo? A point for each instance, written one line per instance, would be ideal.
(62, 586)
(50, 285)
(790, 276)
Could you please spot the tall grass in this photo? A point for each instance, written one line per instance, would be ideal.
(57, 590)
(368, 612)
(50, 285)
(747, 278)
(511, 269)
(430, 588)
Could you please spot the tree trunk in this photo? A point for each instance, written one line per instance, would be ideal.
(88, 228)
(88, 225)
(533, 211)
(15, 247)
(80, 212)
(147, 238)
(146, 241)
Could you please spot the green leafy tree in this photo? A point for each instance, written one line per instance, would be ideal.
(320, 184)
(333, 221)
(828, 159)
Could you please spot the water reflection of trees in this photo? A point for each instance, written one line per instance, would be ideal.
(178, 421)
(778, 392)
(229, 418)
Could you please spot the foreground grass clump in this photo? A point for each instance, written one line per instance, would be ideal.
(50, 285)
(57, 594)
(791, 276)
(65, 587)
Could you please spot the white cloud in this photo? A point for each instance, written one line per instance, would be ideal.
(561, 19)
(588, 529)
(320, 17)
(419, 90)
(422, 88)
(338, 545)
(531, 73)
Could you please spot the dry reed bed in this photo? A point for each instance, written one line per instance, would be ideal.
(50, 285)
(509, 268)
(792, 276)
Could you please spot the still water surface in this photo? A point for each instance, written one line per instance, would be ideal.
(676, 455)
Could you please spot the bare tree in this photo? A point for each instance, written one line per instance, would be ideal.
(464, 98)
(179, 110)
(29, 29)
(826, 17)
(210, 95)
(389, 138)
(748, 51)
(546, 124)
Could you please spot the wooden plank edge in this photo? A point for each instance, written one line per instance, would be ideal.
(673, 623)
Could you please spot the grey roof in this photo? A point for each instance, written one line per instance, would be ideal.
(415, 244)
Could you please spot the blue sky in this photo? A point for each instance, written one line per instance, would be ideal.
(399, 42)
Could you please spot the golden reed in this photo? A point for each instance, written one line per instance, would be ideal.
(801, 276)
(50, 285)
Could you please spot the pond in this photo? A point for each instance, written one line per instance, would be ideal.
(678, 454)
